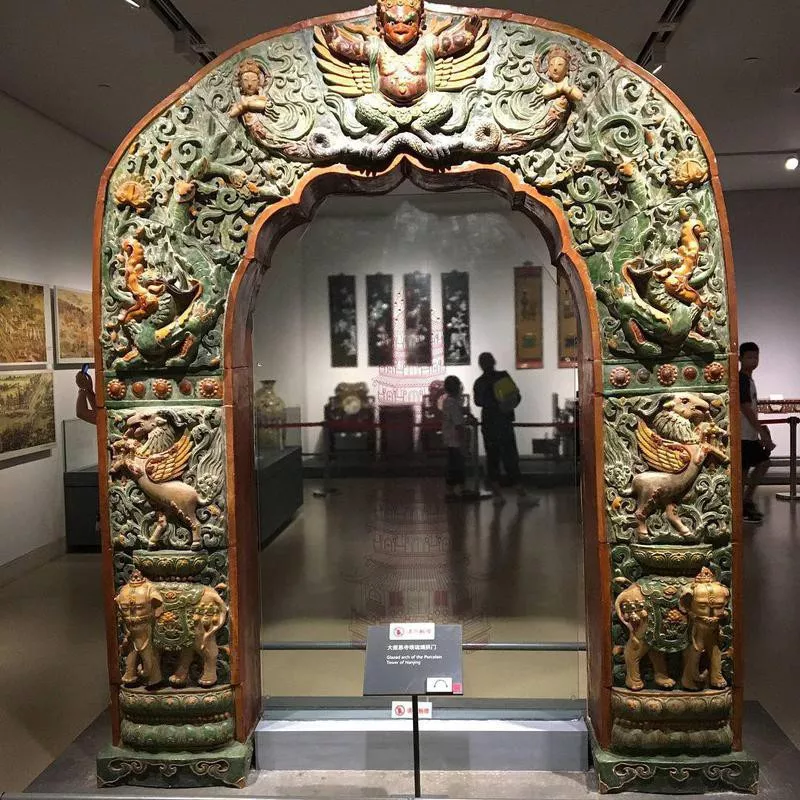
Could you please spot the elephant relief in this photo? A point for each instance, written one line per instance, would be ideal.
(175, 617)
(670, 615)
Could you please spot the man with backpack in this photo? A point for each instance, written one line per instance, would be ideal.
(497, 395)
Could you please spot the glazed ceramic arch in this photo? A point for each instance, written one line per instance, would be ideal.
(622, 183)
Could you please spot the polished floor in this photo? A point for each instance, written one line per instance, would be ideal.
(380, 550)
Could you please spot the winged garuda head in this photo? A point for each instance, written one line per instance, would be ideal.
(400, 22)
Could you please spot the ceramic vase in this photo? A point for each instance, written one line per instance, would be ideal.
(270, 410)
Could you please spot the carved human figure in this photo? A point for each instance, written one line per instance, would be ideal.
(139, 604)
(706, 605)
(682, 438)
(169, 616)
(561, 93)
(393, 72)
(659, 301)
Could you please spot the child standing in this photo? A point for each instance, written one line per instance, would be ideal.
(453, 426)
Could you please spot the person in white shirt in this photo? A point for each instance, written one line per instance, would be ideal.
(453, 437)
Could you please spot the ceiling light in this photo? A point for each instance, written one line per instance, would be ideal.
(792, 162)
(133, 3)
(658, 57)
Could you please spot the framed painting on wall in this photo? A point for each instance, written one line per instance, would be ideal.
(417, 292)
(528, 317)
(27, 413)
(455, 318)
(73, 326)
(344, 330)
(567, 325)
(23, 341)
(380, 320)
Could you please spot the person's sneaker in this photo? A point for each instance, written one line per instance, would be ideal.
(751, 513)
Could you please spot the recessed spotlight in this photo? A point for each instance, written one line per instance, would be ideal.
(658, 69)
(752, 60)
(133, 3)
(792, 162)
(103, 85)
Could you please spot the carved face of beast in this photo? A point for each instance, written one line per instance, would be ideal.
(142, 424)
(690, 406)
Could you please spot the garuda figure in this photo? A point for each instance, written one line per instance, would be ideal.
(400, 72)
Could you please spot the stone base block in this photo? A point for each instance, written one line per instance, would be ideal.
(227, 766)
(731, 772)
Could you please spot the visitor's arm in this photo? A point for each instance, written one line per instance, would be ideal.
(86, 402)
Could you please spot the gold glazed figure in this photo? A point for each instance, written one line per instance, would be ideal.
(706, 606)
(400, 73)
(682, 438)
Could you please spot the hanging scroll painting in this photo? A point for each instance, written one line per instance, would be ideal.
(22, 325)
(344, 331)
(528, 317)
(73, 329)
(27, 413)
(417, 292)
(567, 325)
(455, 318)
(380, 320)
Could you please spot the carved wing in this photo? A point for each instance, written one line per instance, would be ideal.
(343, 77)
(458, 72)
(171, 463)
(659, 453)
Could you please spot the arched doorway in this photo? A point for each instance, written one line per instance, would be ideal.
(622, 183)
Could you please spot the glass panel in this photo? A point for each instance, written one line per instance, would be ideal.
(375, 540)
(80, 446)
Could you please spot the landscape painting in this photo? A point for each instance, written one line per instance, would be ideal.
(27, 413)
(22, 332)
(73, 326)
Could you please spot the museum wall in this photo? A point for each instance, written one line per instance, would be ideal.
(399, 233)
(50, 178)
(766, 242)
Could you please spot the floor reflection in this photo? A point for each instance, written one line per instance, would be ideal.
(393, 550)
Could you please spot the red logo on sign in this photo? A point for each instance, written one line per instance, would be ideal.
(457, 688)
(399, 710)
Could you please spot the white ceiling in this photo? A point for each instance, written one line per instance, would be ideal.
(55, 56)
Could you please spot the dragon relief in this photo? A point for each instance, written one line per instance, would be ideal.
(675, 440)
(659, 302)
(155, 453)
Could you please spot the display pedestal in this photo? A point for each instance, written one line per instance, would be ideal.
(227, 766)
(731, 772)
